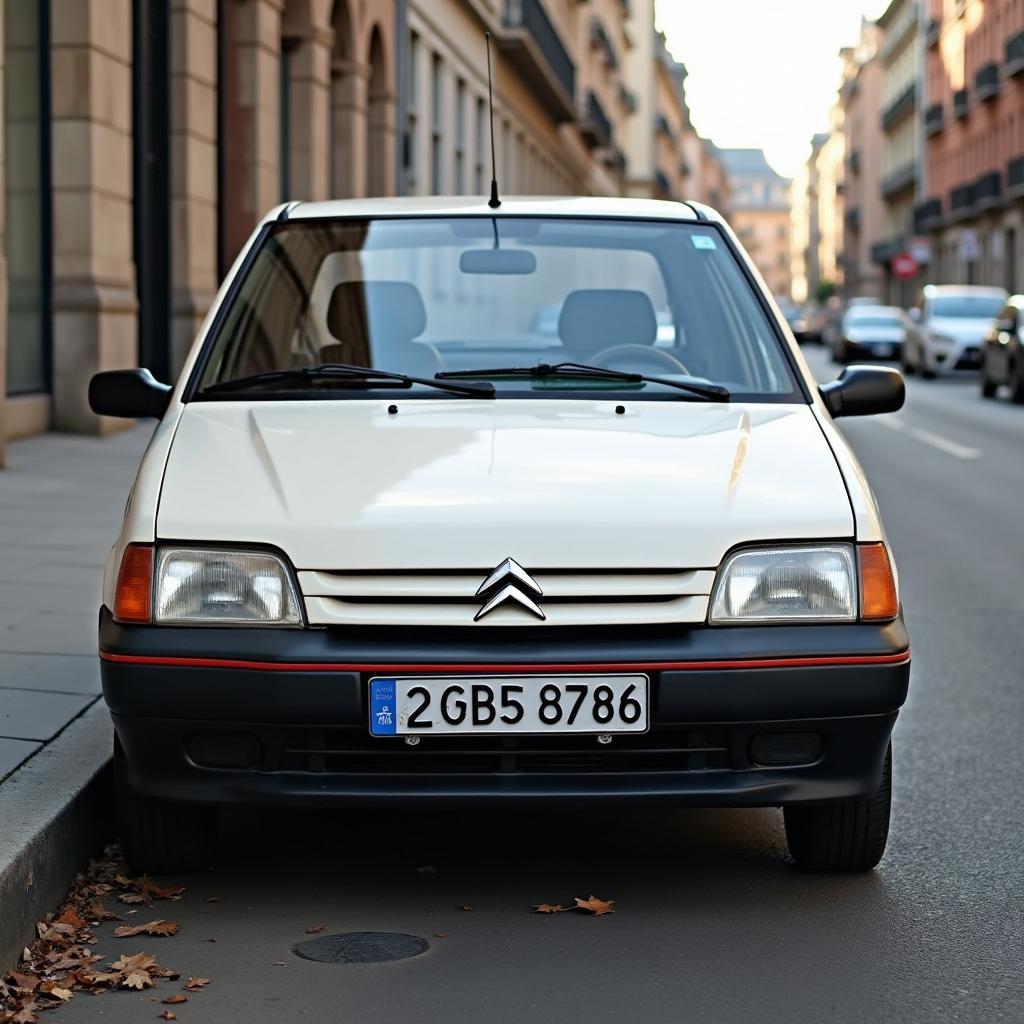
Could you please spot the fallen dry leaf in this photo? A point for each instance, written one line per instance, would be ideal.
(548, 908)
(278, 963)
(168, 1015)
(132, 897)
(440, 935)
(26, 1014)
(597, 907)
(176, 999)
(98, 912)
(158, 928)
(315, 929)
(195, 984)
(212, 899)
(465, 906)
(55, 991)
(70, 917)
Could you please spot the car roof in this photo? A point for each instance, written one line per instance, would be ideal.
(462, 206)
(962, 289)
(857, 311)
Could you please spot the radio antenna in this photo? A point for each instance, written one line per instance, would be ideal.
(494, 202)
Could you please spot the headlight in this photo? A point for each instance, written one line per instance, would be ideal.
(807, 584)
(195, 585)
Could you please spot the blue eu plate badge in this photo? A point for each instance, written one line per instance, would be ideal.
(383, 713)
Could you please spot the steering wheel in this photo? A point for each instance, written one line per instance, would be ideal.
(661, 361)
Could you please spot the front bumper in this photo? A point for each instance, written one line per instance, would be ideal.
(280, 717)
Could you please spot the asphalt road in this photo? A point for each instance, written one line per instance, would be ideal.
(712, 923)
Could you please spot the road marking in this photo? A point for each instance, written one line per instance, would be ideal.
(937, 441)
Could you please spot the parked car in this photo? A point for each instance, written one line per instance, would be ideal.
(873, 331)
(947, 332)
(863, 300)
(378, 552)
(1002, 352)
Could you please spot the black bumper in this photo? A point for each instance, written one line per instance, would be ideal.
(280, 717)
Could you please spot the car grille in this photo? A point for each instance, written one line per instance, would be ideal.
(352, 751)
(438, 598)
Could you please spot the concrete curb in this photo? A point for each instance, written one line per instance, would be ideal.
(54, 815)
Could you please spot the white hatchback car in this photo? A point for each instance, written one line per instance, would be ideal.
(950, 328)
(382, 550)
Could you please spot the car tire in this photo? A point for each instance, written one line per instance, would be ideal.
(845, 836)
(906, 365)
(161, 835)
(1016, 383)
(988, 386)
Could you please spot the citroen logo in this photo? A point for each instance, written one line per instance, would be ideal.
(509, 582)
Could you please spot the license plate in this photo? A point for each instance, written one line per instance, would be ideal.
(432, 706)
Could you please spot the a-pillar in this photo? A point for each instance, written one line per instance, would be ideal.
(93, 271)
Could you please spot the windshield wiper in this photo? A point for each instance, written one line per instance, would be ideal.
(345, 373)
(581, 371)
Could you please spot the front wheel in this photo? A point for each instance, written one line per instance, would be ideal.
(988, 386)
(1016, 383)
(160, 835)
(845, 836)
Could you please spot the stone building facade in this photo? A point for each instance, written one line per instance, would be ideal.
(973, 203)
(143, 139)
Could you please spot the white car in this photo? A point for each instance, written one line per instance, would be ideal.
(948, 331)
(873, 331)
(380, 553)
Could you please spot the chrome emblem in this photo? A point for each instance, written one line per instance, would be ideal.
(510, 582)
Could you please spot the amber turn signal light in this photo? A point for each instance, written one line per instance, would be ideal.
(878, 600)
(133, 600)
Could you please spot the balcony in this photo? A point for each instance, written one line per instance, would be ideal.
(662, 127)
(1014, 55)
(595, 127)
(852, 219)
(988, 191)
(615, 160)
(933, 120)
(662, 182)
(532, 44)
(961, 202)
(986, 82)
(901, 179)
(628, 99)
(900, 108)
(928, 215)
(600, 40)
(961, 104)
(854, 161)
(933, 32)
(1015, 178)
(885, 252)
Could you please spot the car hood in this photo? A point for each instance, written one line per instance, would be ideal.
(465, 483)
(890, 335)
(961, 329)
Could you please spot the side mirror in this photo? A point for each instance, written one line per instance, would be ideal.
(1006, 326)
(864, 391)
(128, 393)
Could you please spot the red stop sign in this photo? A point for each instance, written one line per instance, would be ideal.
(904, 265)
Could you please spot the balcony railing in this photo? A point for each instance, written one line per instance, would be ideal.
(852, 219)
(600, 40)
(988, 191)
(533, 45)
(961, 104)
(928, 215)
(899, 180)
(854, 161)
(662, 127)
(900, 108)
(1015, 55)
(961, 201)
(933, 120)
(628, 98)
(664, 187)
(596, 128)
(986, 82)
(885, 252)
(1015, 177)
(933, 32)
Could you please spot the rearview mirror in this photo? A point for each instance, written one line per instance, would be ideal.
(129, 394)
(864, 391)
(497, 261)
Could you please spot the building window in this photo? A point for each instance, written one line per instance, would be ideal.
(460, 136)
(480, 146)
(412, 114)
(27, 195)
(437, 125)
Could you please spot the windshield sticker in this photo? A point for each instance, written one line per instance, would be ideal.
(703, 242)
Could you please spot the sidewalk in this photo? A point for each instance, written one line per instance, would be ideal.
(61, 502)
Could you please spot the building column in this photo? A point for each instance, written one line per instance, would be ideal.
(252, 87)
(193, 170)
(350, 82)
(381, 126)
(309, 115)
(94, 278)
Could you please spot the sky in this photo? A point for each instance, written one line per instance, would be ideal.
(762, 73)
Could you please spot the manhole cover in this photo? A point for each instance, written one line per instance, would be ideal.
(361, 947)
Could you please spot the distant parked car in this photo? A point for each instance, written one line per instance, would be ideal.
(1002, 352)
(874, 331)
(863, 300)
(948, 332)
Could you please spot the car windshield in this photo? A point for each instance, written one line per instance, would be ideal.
(431, 295)
(875, 321)
(968, 307)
